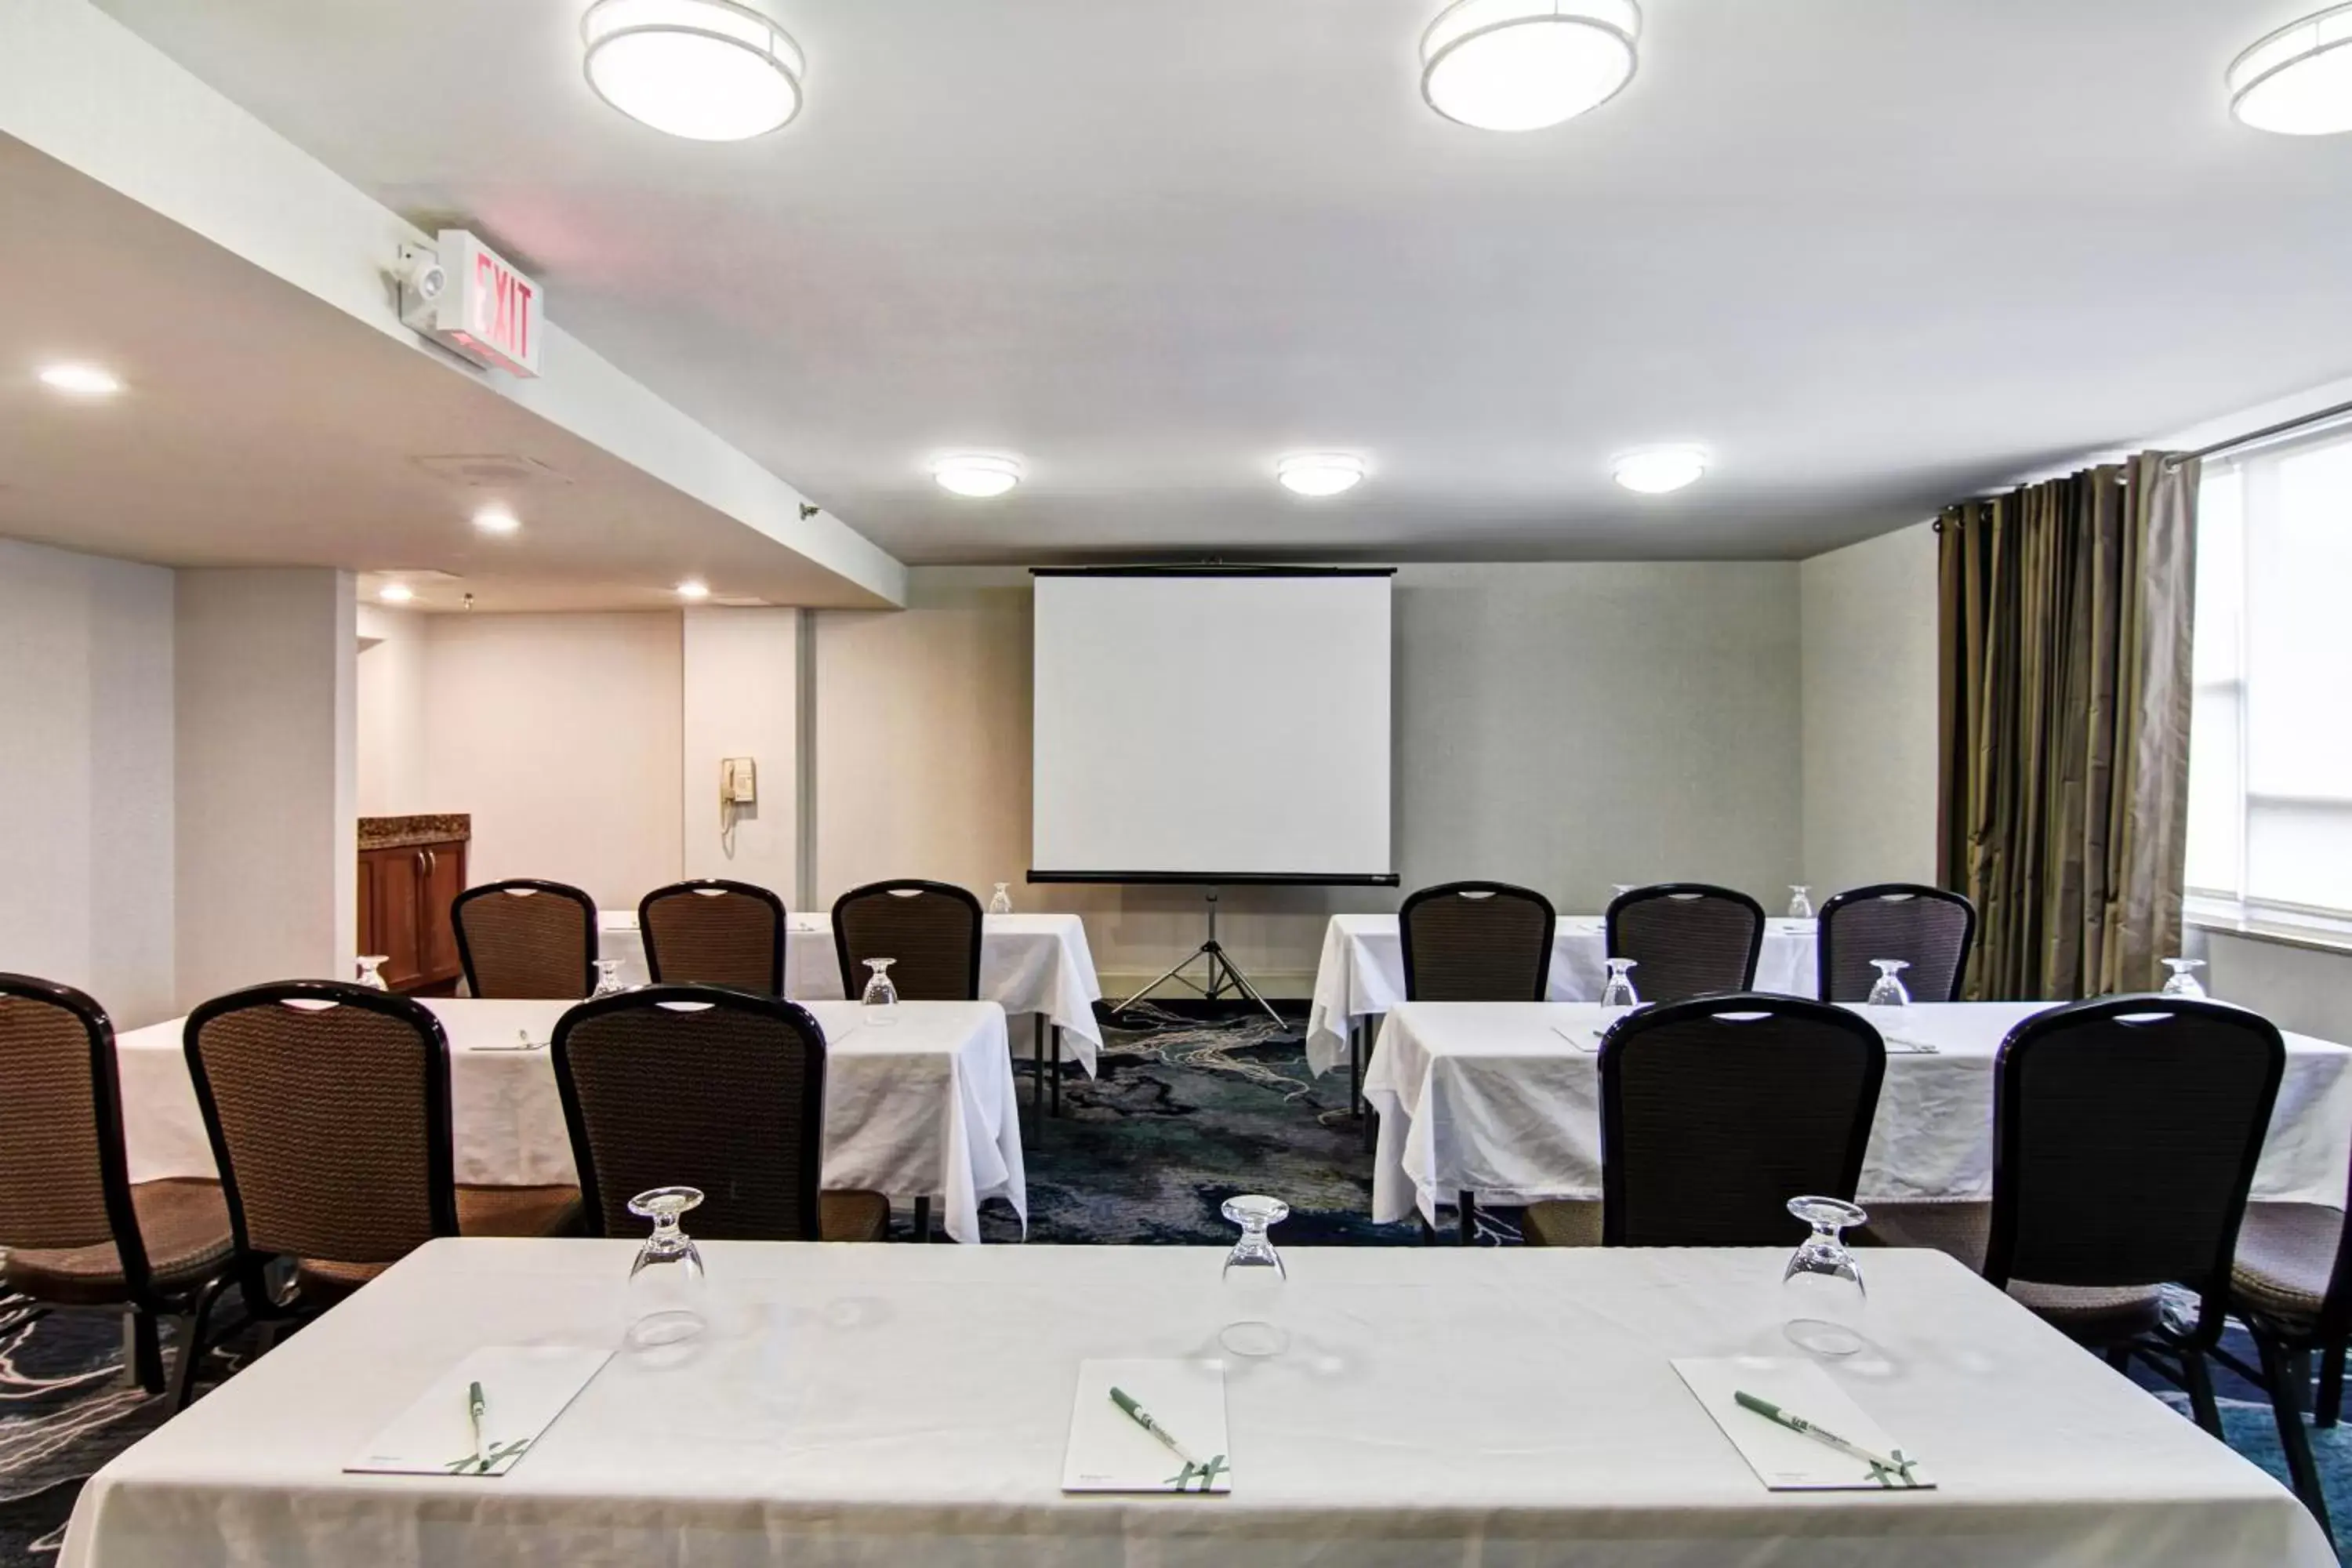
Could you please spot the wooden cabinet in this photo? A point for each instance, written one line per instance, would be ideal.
(405, 893)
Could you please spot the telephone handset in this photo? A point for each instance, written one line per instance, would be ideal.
(738, 785)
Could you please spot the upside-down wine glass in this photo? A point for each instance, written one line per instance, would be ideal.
(1253, 1277)
(667, 1292)
(1822, 1284)
(881, 997)
(1801, 901)
(1619, 992)
(1000, 902)
(1888, 990)
(608, 978)
(2183, 982)
(371, 972)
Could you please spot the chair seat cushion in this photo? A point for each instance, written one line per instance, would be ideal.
(182, 1222)
(1565, 1222)
(2287, 1253)
(481, 1211)
(2101, 1315)
(853, 1215)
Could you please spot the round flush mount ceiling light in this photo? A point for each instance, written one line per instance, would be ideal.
(80, 380)
(495, 520)
(1319, 473)
(395, 593)
(708, 71)
(694, 588)
(2298, 80)
(1521, 65)
(976, 474)
(1655, 471)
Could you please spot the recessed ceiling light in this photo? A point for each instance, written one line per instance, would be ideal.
(979, 474)
(1521, 65)
(1319, 473)
(2298, 80)
(395, 593)
(708, 71)
(1655, 471)
(81, 379)
(495, 520)
(694, 588)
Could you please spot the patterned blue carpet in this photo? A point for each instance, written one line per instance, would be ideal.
(1186, 1114)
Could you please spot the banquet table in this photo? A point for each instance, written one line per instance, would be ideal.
(860, 1405)
(1360, 974)
(1038, 964)
(920, 1109)
(1489, 1098)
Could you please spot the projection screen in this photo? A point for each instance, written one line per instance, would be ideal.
(1205, 725)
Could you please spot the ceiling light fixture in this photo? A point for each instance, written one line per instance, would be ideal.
(395, 593)
(708, 71)
(2298, 80)
(978, 474)
(1655, 471)
(495, 520)
(1319, 473)
(80, 380)
(694, 588)
(1521, 65)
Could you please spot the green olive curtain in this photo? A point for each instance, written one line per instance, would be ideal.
(2065, 621)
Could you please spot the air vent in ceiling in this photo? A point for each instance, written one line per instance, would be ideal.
(490, 471)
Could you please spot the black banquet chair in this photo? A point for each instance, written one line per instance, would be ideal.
(1686, 939)
(708, 1087)
(1930, 929)
(1714, 1113)
(2292, 1284)
(524, 938)
(715, 932)
(931, 931)
(1476, 941)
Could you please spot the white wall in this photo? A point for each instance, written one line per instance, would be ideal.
(266, 786)
(1869, 699)
(86, 782)
(391, 712)
(561, 734)
(740, 699)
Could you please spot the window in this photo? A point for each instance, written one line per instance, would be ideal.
(2270, 751)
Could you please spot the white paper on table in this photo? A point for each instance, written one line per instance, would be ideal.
(1783, 1460)
(1583, 1037)
(524, 1389)
(1108, 1452)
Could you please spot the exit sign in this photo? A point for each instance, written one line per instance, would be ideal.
(489, 310)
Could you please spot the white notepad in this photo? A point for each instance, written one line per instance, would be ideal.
(524, 1389)
(1787, 1461)
(1111, 1452)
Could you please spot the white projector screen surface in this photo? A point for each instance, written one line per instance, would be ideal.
(1211, 727)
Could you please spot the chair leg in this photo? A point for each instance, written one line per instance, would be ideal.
(193, 1346)
(1057, 1068)
(2200, 1379)
(2119, 1357)
(143, 1349)
(2286, 1403)
(1467, 1207)
(2331, 1386)
(922, 1220)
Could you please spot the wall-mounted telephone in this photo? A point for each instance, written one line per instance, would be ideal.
(738, 785)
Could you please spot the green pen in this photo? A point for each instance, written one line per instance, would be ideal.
(475, 1407)
(1142, 1417)
(1880, 1468)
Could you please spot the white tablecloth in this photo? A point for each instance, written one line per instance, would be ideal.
(923, 1108)
(909, 1407)
(1485, 1098)
(1038, 964)
(1361, 972)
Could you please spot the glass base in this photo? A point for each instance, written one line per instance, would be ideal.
(672, 1327)
(1254, 1338)
(1821, 1337)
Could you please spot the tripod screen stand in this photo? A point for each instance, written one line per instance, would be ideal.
(1221, 978)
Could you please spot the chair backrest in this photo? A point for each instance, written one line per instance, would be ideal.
(1716, 1112)
(930, 929)
(1686, 939)
(327, 1107)
(2125, 1131)
(63, 1179)
(1476, 941)
(1928, 928)
(713, 932)
(526, 939)
(699, 1087)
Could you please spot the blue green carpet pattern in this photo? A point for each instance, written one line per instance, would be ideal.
(1188, 1111)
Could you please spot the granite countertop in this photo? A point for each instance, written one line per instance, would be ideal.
(402, 832)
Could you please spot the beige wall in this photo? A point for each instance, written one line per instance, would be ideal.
(1870, 715)
(740, 699)
(560, 734)
(390, 712)
(86, 785)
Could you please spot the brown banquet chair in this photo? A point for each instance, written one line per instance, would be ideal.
(1476, 941)
(523, 937)
(1686, 939)
(1929, 929)
(715, 932)
(930, 929)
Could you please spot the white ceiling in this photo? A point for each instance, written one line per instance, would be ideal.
(1878, 255)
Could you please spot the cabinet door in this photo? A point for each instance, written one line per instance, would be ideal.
(392, 882)
(436, 939)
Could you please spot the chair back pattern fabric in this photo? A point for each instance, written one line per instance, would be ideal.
(63, 1177)
(701, 1087)
(1476, 941)
(2125, 1133)
(1928, 928)
(930, 929)
(1716, 1112)
(1686, 939)
(714, 932)
(529, 939)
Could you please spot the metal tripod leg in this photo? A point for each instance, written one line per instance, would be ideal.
(1172, 972)
(1249, 990)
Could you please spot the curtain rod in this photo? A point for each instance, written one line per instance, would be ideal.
(2264, 434)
